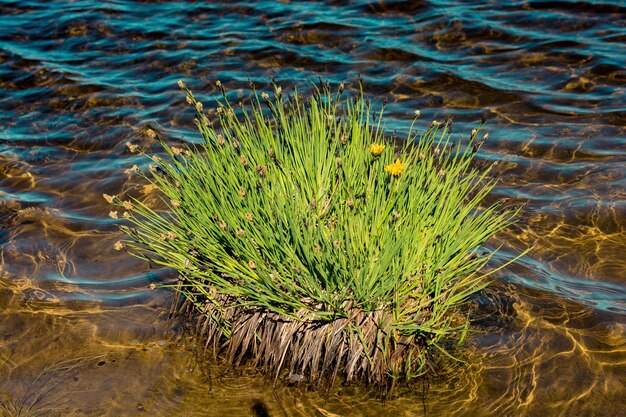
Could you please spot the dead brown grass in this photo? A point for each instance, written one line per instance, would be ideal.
(359, 348)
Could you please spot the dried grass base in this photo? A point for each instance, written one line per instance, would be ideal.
(358, 348)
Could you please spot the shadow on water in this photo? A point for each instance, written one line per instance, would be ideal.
(82, 333)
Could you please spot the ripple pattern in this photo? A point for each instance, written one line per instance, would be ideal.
(78, 79)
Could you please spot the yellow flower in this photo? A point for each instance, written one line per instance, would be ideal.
(377, 148)
(395, 169)
(118, 245)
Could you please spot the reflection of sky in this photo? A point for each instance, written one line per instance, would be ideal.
(602, 296)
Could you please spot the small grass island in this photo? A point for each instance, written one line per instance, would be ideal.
(312, 244)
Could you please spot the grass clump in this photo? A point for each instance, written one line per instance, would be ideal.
(309, 241)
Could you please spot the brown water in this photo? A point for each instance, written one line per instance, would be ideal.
(82, 334)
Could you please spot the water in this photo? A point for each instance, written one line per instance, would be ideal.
(81, 333)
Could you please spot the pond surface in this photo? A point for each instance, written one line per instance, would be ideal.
(82, 333)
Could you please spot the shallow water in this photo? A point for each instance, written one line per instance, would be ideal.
(81, 333)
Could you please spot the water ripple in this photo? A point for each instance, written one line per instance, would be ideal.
(78, 79)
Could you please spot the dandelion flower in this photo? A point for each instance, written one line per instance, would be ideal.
(118, 245)
(395, 169)
(376, 149)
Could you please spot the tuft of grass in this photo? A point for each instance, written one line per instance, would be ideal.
(308, 240)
